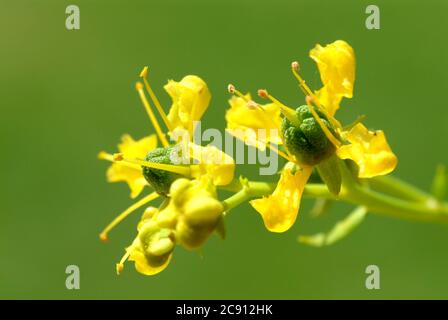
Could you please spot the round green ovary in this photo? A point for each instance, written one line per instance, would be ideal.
(307, 142)
(160, 180)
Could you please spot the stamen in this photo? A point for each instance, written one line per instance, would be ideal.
(231, 88)
(111, 157)
(309, 93)
(152, 117)
(104, 234)
(152, 95)
(288, 112)
(120, 265)
(360, 119)
(182, 170)
(251, 104)
(295, 71)
(322, 125)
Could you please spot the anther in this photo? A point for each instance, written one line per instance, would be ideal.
(139, 86)
(295, 66)
(144, 72)
(118, 157)
(263, 93)
(119, 268)
(231, 88)
(104, 237)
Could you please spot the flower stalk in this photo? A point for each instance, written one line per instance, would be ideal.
(385, 195)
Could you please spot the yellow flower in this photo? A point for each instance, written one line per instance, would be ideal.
(280, 209)
(192, 211)
(190, 100)
(132, 175)
(369, 150)
(192, 214)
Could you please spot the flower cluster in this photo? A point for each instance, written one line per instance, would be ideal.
(323, 159)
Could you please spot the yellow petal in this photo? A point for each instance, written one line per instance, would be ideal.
(132, 175)
(336, 63)
(280, 209)
(218, 165)
(370, 151)
(244, 122)
(191, 97)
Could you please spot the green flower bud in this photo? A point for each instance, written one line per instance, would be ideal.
(307, 142)
(160, 180)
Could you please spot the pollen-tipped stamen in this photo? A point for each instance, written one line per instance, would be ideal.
(152, 95)
(295, 67)
(152, 117)
(295, 71)
(288, 112)
(104, 234)
(120, 265)
(110, 157)
(251, 104)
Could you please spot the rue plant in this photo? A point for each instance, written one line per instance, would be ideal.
(325, 160)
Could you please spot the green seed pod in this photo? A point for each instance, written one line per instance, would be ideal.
(160, 180)
(307, 142)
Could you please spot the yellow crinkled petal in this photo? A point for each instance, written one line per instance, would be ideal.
(336, 63)
(132, 175)
(254, 126)
(370, 151)
(142, 264)
(191, 97)
(280, 209)
(218, 165)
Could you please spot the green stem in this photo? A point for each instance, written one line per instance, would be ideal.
(396, 187)
(425, 209)
(383, 195)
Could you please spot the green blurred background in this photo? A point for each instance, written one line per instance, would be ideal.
(65, 95)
